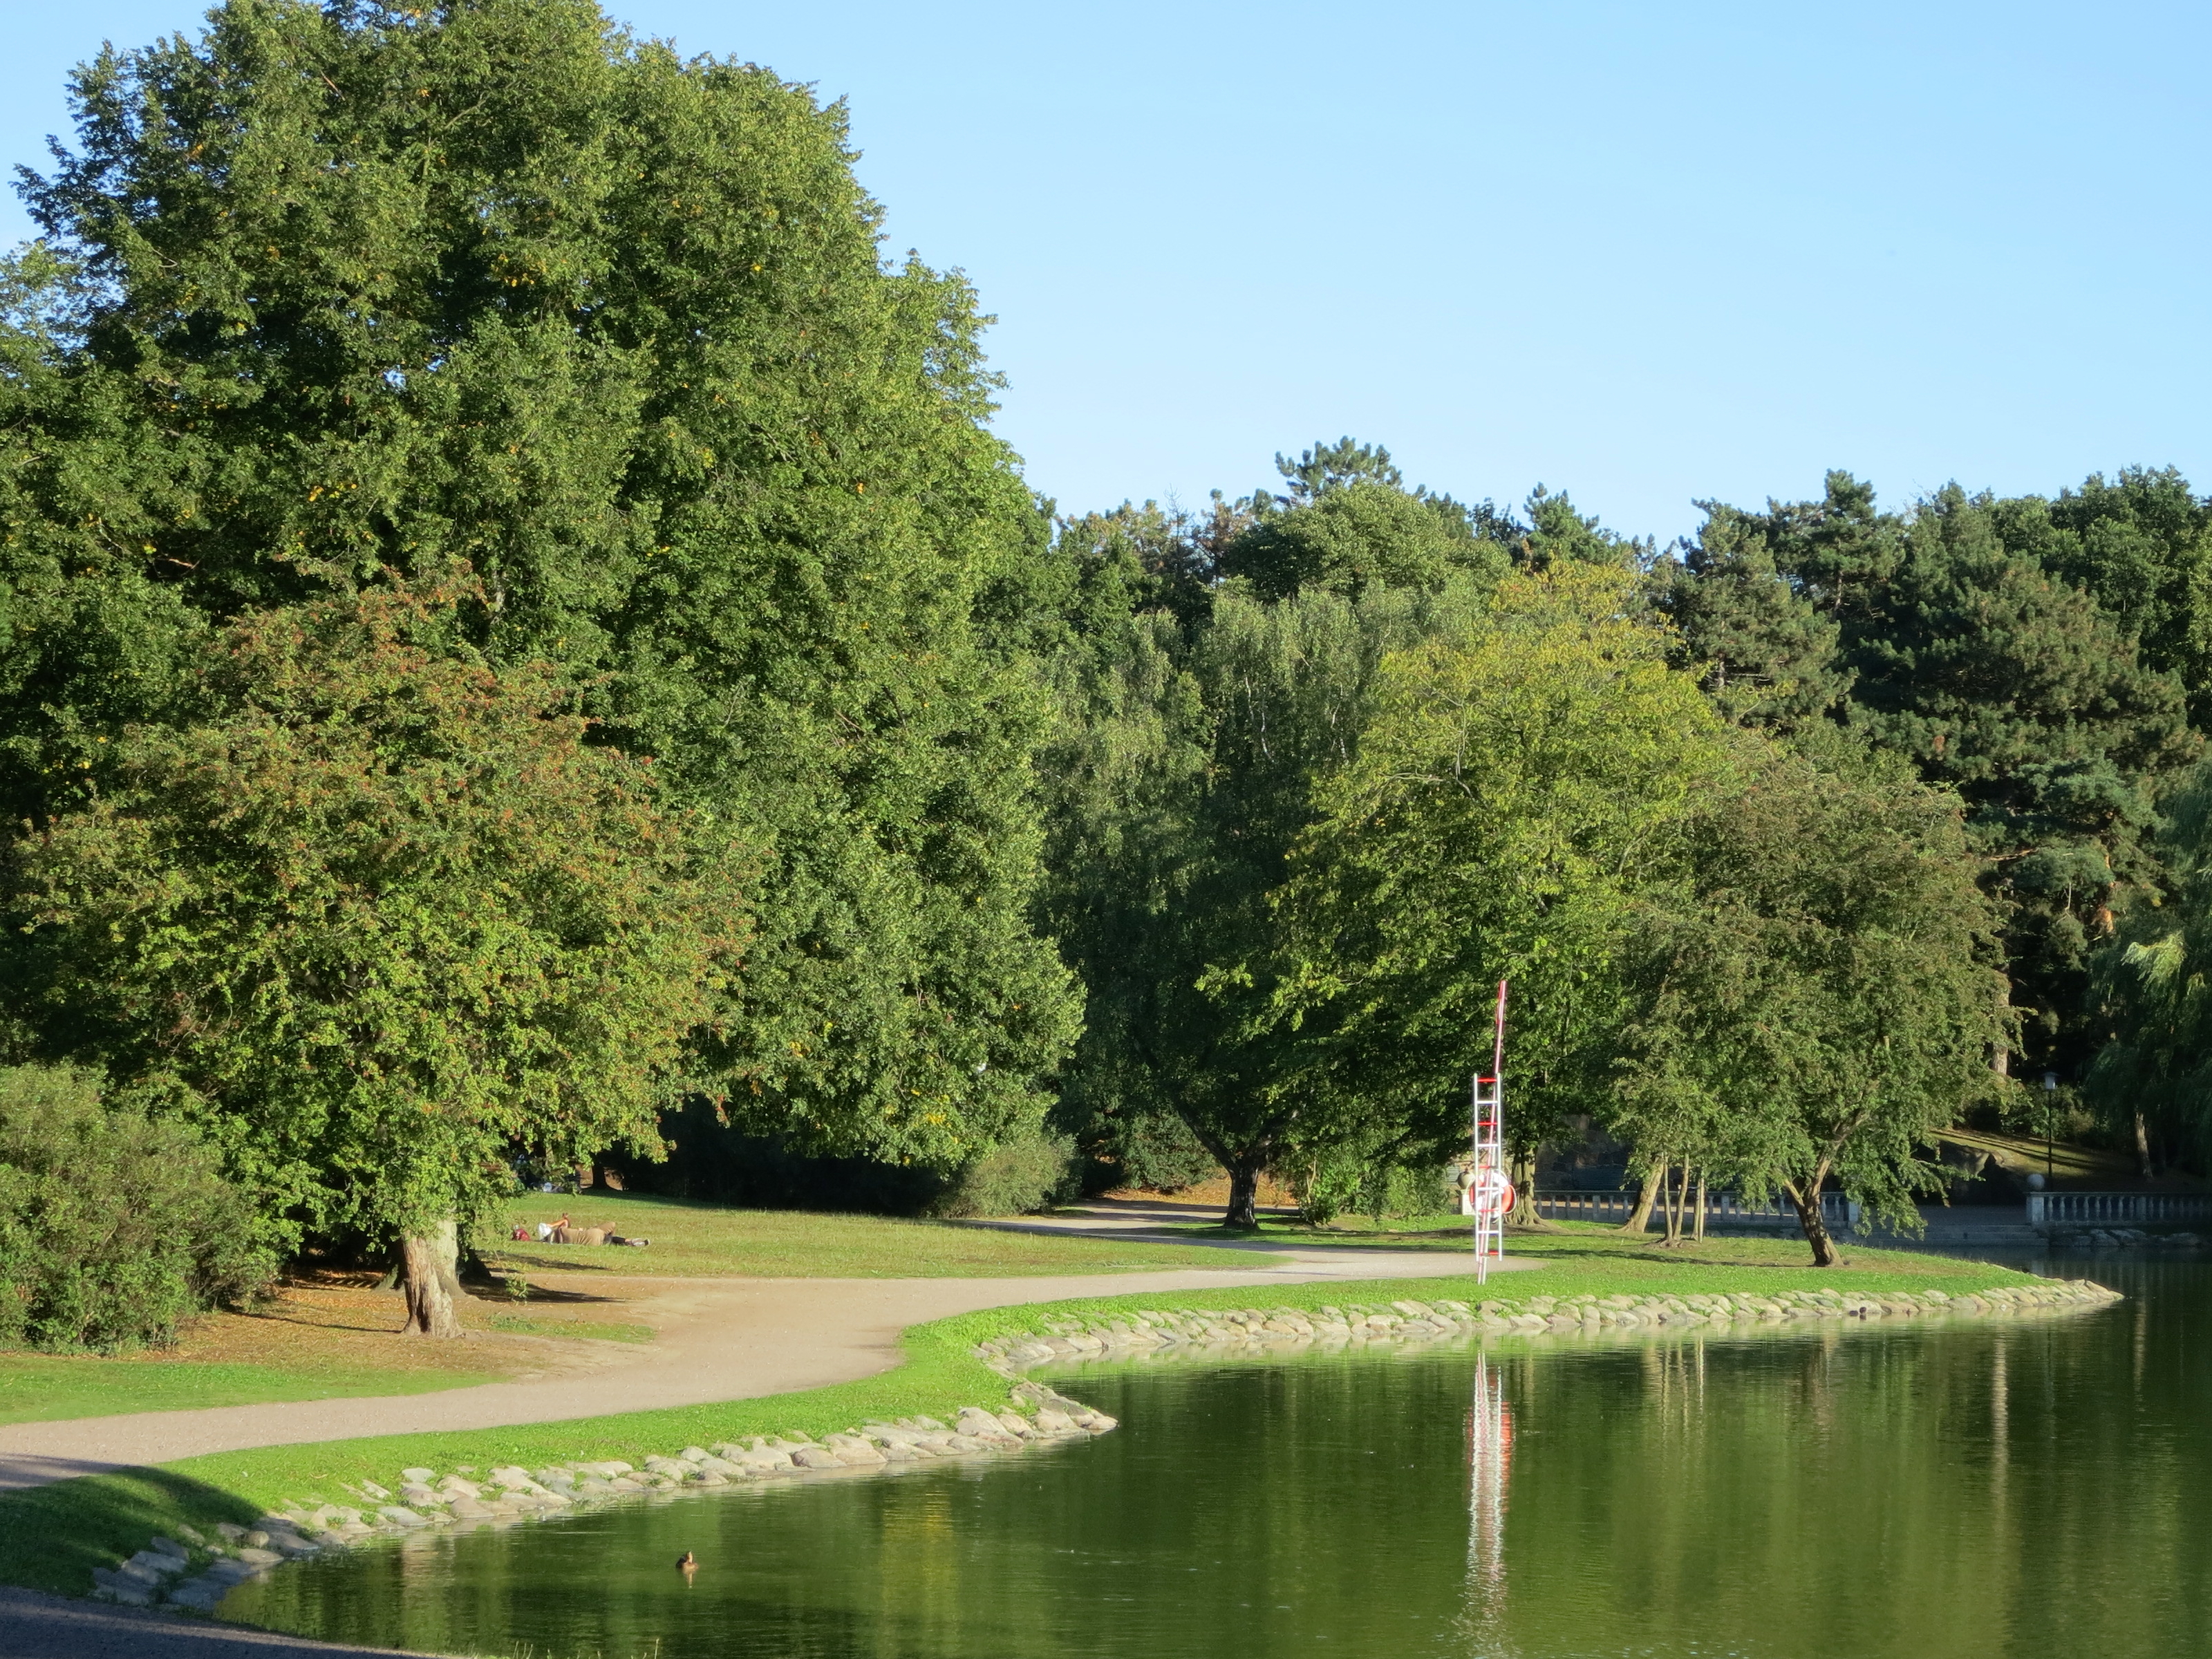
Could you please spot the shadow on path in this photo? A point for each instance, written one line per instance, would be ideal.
(35, 1626)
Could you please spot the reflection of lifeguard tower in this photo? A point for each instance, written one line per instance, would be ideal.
(1486, 1193)
(1489, 1464)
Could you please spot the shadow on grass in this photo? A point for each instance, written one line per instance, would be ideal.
(51, 1537)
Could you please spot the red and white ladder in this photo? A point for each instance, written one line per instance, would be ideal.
(1489, 1194)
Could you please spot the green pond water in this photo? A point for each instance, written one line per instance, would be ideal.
(1997, 1488)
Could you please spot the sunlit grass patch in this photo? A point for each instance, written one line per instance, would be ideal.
(693, 1240)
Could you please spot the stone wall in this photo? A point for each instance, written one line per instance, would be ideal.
(1228, 1331)
(198, 1571)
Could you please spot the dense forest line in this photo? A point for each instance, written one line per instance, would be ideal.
(519, 646)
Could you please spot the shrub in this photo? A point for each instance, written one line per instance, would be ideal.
(1031, 1170)
(114, 1225)
(1380, 1191)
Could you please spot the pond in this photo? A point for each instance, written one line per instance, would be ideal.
(2006, 1488)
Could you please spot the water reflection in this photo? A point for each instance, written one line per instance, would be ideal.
(1489, 1468)
(1993, 1491)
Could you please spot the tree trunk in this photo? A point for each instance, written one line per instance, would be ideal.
(1808, 1205)
(1640, 1220)
(1701, 1204)
(431, 1282)
(1521, 1170)
(2143, 1147)
(1243, 1194)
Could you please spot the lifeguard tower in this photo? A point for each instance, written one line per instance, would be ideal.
(1488, 1194)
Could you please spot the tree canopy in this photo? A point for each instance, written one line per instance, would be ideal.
(379, 921)
(513, 617)
(496, 288)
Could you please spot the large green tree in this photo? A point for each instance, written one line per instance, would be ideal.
(1816, 991)
(1180, 792)
(2152, 1078)
(1969, 647)
(334, 289)
(1346, 521)
(380, 922)
(1521, 781)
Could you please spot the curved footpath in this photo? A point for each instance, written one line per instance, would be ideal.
(727, 1338)
(730, 1338)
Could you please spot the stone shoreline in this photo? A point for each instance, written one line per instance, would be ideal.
(196, 1572)
(1225, 1332)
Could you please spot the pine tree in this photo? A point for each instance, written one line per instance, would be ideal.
(2004, 680)
(1766, 655)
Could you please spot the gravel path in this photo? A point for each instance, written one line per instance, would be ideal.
(719, 1339)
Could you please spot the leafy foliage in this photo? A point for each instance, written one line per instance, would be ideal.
(1818, 993)
(2154, 999)
(114, 1225)
(1965, 649)
(1521, 781)
(380, 920)
(1348, 522)
(338, 289)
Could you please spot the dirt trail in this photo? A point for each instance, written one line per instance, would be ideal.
(719, 1339)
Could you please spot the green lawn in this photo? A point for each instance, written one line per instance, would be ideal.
(36, 1388)
(51, 1537)
(695, 1240)
(1555, 1240)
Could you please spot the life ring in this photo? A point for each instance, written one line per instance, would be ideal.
(1491, 1194)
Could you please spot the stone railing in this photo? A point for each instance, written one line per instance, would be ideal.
(2062, 1210)
(1724, 1209)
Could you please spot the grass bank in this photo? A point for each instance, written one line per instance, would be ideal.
(53, 1537)
(1450, 1232)
(695, 1240)
(326, 1340)
(39, 1388)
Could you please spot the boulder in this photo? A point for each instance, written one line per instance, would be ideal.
(854, 1452)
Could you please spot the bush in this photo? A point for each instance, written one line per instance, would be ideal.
(114, 1225)
(1380, 1191)
(1032, 1170)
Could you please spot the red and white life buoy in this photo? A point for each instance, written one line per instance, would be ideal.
(1491, 1194)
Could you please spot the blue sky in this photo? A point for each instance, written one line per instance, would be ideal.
(1645, 253)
